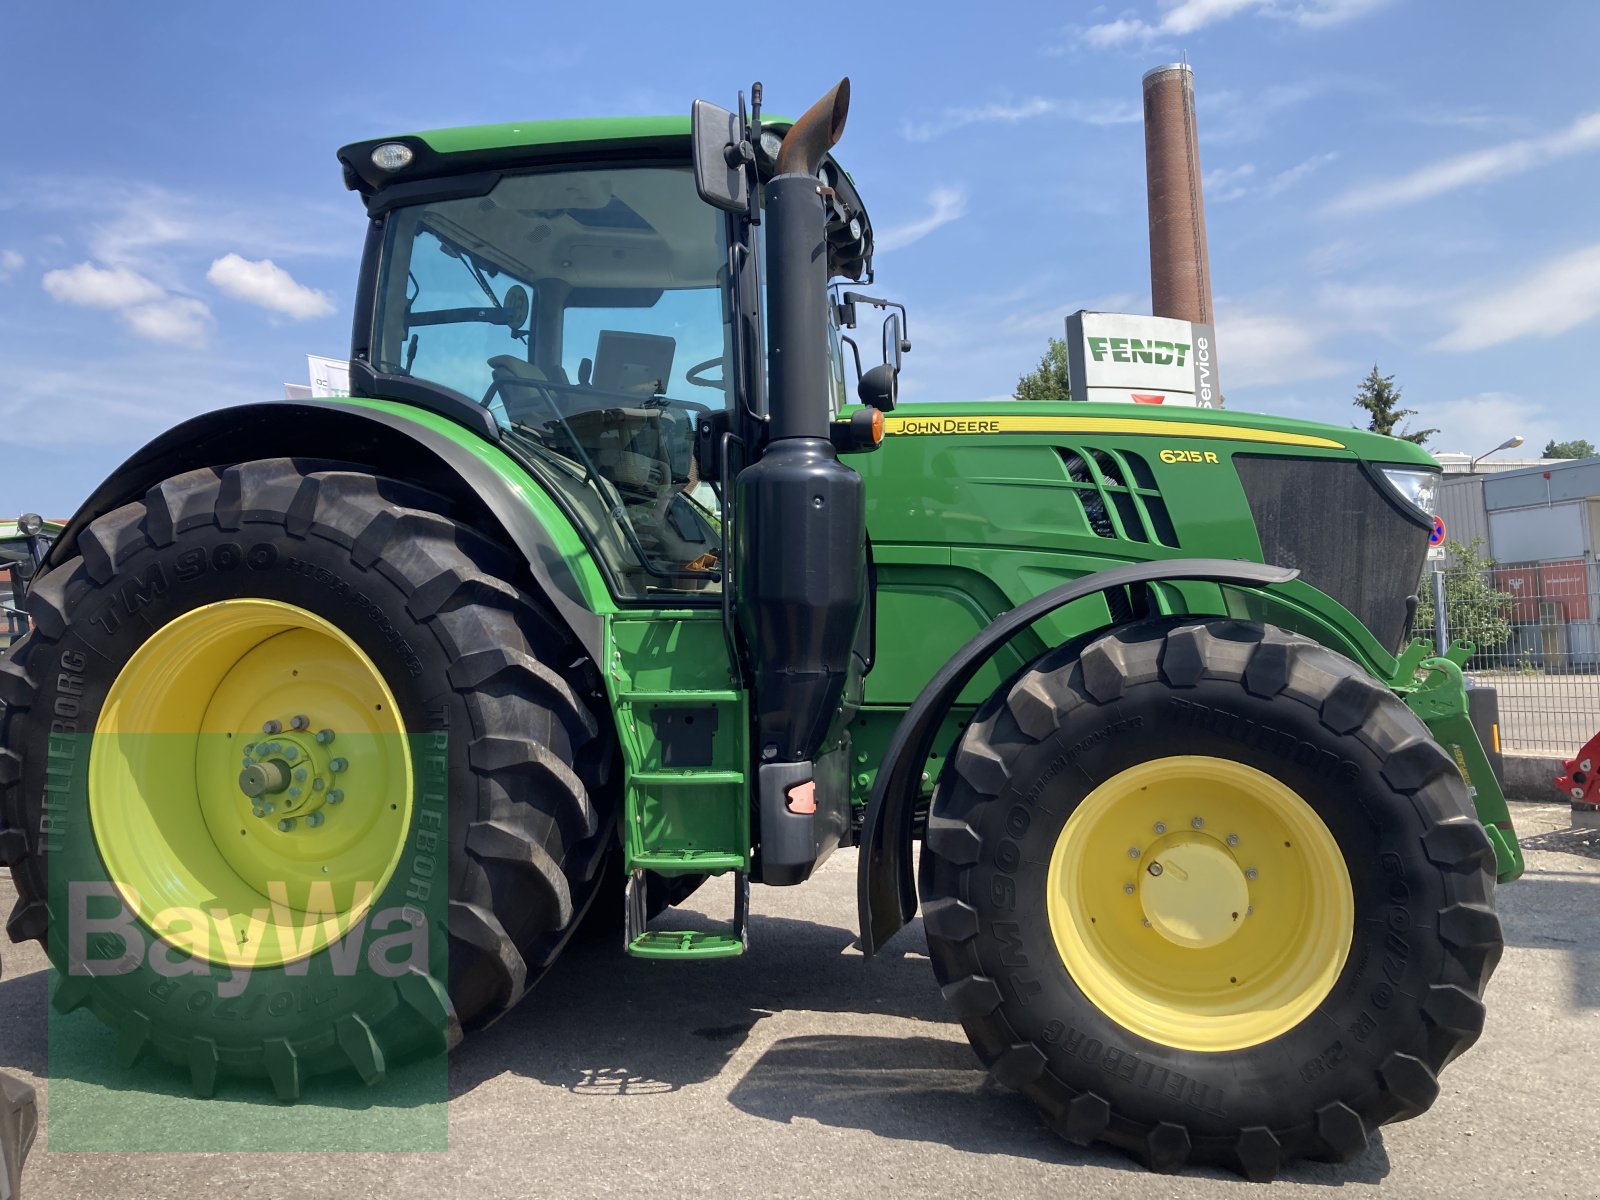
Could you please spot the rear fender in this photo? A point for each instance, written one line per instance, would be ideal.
(496, 496)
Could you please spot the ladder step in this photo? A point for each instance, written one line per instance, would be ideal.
(685, 778)
(685, 944)
(662, 943)
(683, 862)
(681, 696)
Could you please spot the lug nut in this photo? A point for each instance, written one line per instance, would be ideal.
(299, 722)
(1146, 922)
(249, 747)
(315, 819)
(300, 774)
(257, 810)
(317, 785)
(1197, 823)
(1250, 873)
(271, 727)
(324, 736)
(1161, 826)
(285, 825)
(291, 752)
(294, 793)
(1251, 911)
(335, 795)
(1133, 852)
(336, 765)
(1155, 868)
(1233, 839)
(1127, 889)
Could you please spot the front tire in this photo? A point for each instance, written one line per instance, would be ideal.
(1207, 891)
(190, 615)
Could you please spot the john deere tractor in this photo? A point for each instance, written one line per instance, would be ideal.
(598, 587)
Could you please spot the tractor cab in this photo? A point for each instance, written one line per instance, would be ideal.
(594, 308)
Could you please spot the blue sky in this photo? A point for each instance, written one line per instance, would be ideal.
(1392, 181)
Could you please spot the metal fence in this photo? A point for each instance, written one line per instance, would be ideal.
(1537, 629)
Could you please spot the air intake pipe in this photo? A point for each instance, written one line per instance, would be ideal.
(801, 533)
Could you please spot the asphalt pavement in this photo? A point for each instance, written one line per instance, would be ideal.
(801, 1070)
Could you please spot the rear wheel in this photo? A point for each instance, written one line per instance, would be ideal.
(299, 717)
(1209, 892)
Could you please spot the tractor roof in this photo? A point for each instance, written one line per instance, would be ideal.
(517, 143)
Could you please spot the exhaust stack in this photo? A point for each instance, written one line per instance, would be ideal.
(1180, 265)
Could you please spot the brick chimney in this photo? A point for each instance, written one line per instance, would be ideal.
(1180, 268)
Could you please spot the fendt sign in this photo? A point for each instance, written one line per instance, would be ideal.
(1127, 358)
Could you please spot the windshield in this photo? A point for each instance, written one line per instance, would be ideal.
(587, 310)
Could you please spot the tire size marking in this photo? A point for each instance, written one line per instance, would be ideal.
(1130, 1068)
(367, 606)
(1264, 737)
(1316, 1067)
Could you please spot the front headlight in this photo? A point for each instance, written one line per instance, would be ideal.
(1416, 487)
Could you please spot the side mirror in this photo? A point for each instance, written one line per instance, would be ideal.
(893, 341)
(722, 157)
(880, 387)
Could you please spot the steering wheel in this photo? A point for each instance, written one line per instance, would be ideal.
(692, 375)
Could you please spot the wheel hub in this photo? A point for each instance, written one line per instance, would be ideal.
(290, 775)
(1193, 891)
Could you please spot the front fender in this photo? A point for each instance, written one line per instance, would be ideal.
(886, 893)
(496, 495)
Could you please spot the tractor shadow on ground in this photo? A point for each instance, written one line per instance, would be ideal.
(602, 1024)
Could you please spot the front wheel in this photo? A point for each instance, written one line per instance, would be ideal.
(1209, 892)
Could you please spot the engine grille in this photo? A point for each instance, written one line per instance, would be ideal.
(1118, 495)
(1342, 528)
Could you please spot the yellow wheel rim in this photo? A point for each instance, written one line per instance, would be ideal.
(241, 696)
(1200, 903)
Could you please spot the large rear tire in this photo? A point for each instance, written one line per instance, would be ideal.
(1207, 891)
(194, 611)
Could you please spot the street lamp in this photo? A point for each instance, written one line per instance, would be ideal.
(1511, 443)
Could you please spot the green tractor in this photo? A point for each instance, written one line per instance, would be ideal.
(597, 588)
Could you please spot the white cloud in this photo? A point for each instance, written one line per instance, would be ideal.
(1286, 179)
(1559, 295)
(1258, 348)
(268, 285)
(1097, 112)
(1480, 166)
(181, 320)
(945, 205)
(1231, 183)
(146, 306)
(10, 263)
(101, 287)
(1227, 183)
(1189, 16)
(1471, 424)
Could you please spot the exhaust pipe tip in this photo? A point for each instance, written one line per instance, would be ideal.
(815, 133)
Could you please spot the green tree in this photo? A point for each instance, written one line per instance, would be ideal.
(1049, 380)
(1576, 448)
(1475, 611)
(1381, 398)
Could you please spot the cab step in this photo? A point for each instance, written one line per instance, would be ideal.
(643, 942)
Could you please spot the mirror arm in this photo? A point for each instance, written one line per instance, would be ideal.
(855, 351)
(854, 298)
